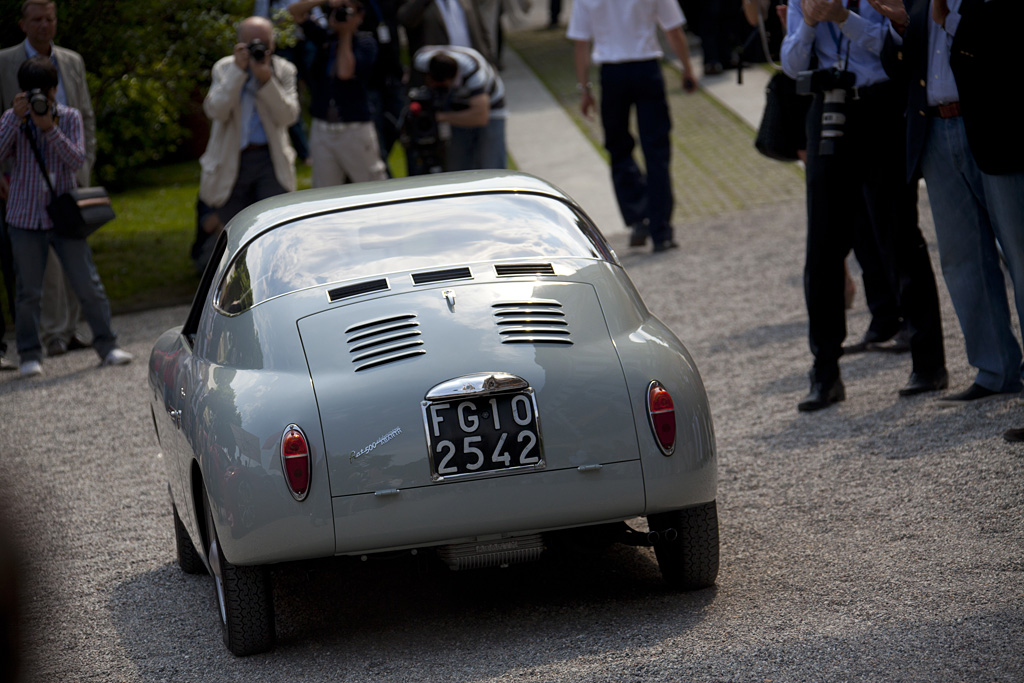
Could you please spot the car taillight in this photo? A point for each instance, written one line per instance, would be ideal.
(662, 413)
(296, 461)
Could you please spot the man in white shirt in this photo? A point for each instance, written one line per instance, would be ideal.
(624, 41)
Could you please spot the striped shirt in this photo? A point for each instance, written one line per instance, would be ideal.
(63, 151)
(475, 73)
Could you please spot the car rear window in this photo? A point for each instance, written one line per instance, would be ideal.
(359, 243)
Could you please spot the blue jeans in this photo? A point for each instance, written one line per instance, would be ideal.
(972, 210)
(30, 248)
(476, 148)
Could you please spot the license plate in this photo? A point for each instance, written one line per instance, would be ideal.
(483, 434)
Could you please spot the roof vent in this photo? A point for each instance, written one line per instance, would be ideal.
(442, 276)
(519, 269)
(348, 291)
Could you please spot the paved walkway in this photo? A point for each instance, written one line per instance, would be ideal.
(545, 141)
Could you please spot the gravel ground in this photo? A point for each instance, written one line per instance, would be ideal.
(878, 540)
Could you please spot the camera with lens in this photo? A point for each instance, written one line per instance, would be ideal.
(341, 12)
(422, 137)
(833, 85)
(258, 50)
(38, 102)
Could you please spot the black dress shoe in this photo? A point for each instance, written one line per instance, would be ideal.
(1014, 435)
(638, 234)
(899, 343)
(76, 343)
(822, 395)
(972, 394)
(56, 347)
(665, 246)
(923, 382)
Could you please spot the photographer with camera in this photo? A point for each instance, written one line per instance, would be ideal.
(470, 98)
(855, 166)
(342, 136)
(42, 136)
(252, 102)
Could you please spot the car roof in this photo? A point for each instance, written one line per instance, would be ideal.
(292, 206)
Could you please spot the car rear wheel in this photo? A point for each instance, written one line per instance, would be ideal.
(190, 561)
(686, 545)
(245, 601)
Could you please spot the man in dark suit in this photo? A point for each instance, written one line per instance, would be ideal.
(61, 312)
(445, 22)
(964, 137)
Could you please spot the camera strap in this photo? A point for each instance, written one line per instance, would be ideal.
(38, 154)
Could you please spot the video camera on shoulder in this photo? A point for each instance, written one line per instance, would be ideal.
(833, 85)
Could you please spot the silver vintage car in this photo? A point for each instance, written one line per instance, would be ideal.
(452, 363)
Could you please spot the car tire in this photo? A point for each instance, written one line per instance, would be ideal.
(245, 601)
(686, 545)
(190, 561)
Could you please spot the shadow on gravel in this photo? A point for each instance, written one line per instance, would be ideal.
(404, 614)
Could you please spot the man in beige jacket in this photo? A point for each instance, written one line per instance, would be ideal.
(252, 101)
(60, 314)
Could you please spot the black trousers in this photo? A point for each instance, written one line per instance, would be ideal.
(641, 196)
(866, 176)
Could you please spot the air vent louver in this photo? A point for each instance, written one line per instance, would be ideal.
(442, 276)
(514, 269)
(358, 288)
(388, 340)
(532, 322)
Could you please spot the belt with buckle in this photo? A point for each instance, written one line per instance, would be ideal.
(945, 111)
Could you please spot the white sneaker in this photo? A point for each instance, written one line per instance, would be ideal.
(117, 357)
(30, 368)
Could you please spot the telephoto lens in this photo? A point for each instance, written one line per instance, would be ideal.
(258, 50)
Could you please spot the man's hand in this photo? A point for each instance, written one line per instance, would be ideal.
(20, 105)
(893, 10)
(242, 56)
(261, 70)
(940, 10)
(816, 11)
(5, 187)
(587, 103)
(689, 81)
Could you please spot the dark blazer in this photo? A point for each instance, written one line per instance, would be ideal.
(985, 52)
(982, 53)
(424, 25)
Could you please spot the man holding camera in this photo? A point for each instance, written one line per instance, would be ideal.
(964, 136)
(855, 157)
(61, 313)
(252, 101)
(472, 103)
(343, 137)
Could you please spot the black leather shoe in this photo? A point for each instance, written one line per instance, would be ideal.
(76, 343)
(899, 343)
(665, 246)
(822, 395)
(1014, 435)
(638, 234)
(972, 394)
(56, 347)
(923, 382)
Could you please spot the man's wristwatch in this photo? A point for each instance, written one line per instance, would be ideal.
(583, 87)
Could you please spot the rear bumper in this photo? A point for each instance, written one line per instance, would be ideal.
(471, 510)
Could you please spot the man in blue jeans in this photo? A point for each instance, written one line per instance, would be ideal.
(964, 137)
(622, 38)
(56, 133)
